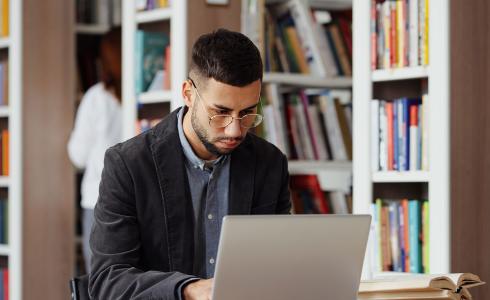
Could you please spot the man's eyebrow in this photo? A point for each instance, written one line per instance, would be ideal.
(218, 106)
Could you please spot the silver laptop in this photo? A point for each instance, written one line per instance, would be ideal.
(290, 257)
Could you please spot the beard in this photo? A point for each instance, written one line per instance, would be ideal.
(204, 137)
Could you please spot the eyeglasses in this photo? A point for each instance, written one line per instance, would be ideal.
(221, 121)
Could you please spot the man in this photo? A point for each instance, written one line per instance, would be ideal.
(164, 193)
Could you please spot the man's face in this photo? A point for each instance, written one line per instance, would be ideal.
(218, 98)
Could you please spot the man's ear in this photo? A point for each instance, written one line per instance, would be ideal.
(187, 93)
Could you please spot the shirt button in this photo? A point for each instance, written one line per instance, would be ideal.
(211, 261)
(210, 216)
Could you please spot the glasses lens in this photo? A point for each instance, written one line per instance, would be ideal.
(252, 120)
(220, 121)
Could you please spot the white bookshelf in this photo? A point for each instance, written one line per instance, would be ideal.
(332, 175)
(4, 111)
(155, 15)
(4, 181)
(14, 181)
(4, 43)
(400, 74)
(4, 250)
(95, 29)
(395, 176)
(155, 97)
(437, 178)
(301, 80)
(177, 18)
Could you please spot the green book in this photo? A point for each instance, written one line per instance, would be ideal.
(150, 57)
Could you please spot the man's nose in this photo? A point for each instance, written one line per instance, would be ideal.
(234, 130)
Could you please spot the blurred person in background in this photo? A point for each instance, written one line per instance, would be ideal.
(98, 126)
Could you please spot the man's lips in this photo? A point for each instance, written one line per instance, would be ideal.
(229, 144)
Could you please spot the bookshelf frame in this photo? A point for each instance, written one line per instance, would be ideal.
(437, 178)
(177, 16)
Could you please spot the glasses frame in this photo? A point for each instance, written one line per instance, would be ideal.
(232, 118)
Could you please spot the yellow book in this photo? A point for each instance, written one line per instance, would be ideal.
(4, 30)
(400, 30)
(426, 34)
(162, 3)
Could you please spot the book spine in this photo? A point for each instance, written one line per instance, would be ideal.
(415, 251)
(426, 237)
(406, 234)
(414, 131)
(389, 117)
(373, 35)
(375, 132)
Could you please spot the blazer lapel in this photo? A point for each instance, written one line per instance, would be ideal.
(242, 172)
(178, 213)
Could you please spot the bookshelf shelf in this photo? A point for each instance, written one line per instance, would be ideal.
(4, 43)
(332, 175)
(299, 167)
(4, 250)
(4, 111)
(395, 176)
(155, 97)
(325, 4)
(400, 74)
(4, 181)
(155, 15)
(95, 29)
(307, 80)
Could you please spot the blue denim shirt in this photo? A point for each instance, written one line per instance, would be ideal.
(209, 187)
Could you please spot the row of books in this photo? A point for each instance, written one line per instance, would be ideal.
(307, 197)
(284, 46)
(4, 283)
(4, 205)
(4, 153)
(98, 12)
(4, 18)
(400, 134)
(308, 124)
(293, 38)
(152, 61)
(143, 125)
(399, 33)
(4, 82)
(400, 235)
(142, 5)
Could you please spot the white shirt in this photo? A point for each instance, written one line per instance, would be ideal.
(98, 126)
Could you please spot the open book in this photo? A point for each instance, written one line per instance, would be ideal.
(419, 286)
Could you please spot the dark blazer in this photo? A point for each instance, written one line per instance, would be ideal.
(143, 235)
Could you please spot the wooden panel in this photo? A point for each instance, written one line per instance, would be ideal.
(203, 18)
(470, 140)
(48, 181)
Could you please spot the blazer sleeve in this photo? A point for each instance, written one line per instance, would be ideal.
(284, 201)
(115, 243)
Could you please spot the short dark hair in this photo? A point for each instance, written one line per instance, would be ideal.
(226, 56)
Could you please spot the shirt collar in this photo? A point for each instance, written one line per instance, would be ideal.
(195, 161)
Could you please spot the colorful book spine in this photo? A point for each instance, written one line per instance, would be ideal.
(414, 228)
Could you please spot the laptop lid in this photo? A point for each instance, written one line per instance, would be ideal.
(290, 257)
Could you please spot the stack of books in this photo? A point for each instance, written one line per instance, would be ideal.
(448, 286)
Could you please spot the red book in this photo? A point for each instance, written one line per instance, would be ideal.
(310, 182)
(393, 37)
(5, 284)
(373, 36)
(414, 116)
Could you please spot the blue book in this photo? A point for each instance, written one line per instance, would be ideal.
(396, 148)
(406, 134)
(401, 237)
(2, 288)
(414, 219)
